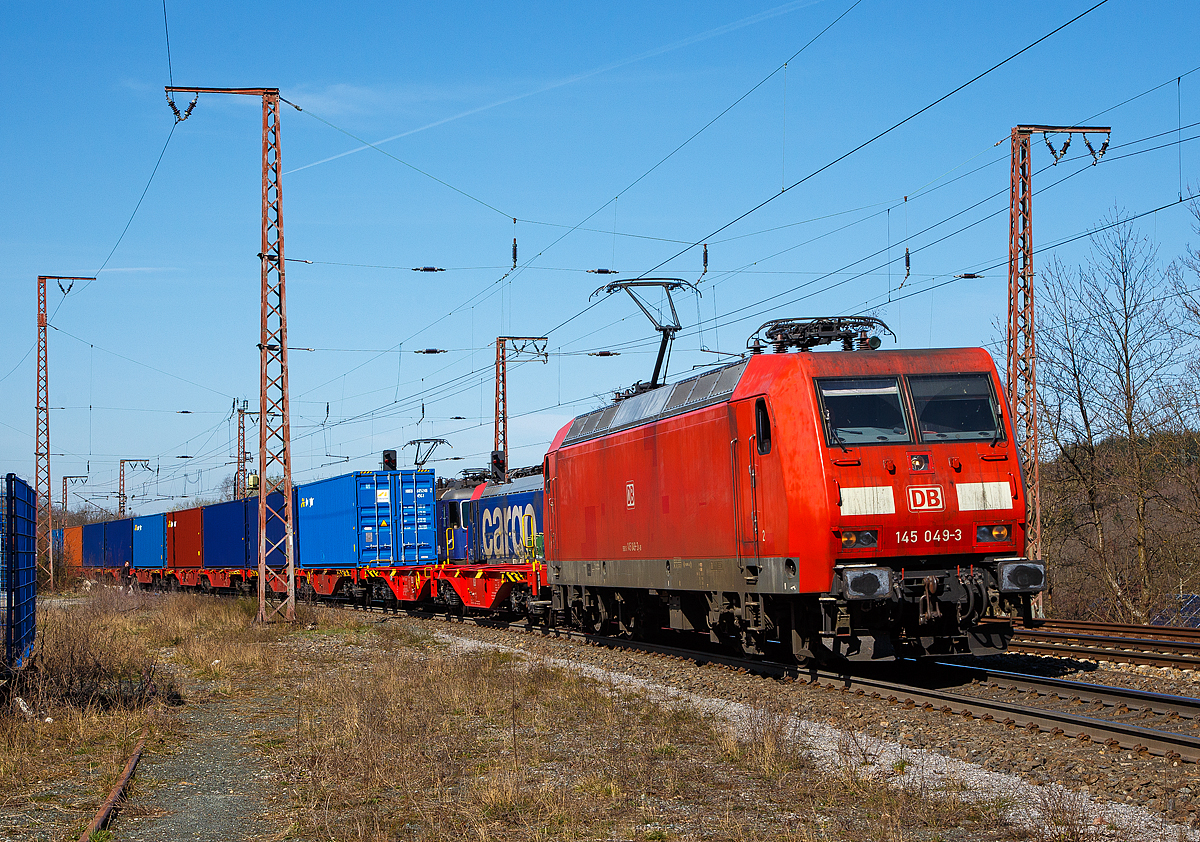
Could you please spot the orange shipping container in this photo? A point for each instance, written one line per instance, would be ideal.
(73, 547)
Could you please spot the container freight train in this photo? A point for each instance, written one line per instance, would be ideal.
(850, 504)
(369, 537)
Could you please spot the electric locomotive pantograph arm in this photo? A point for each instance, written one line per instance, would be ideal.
(668, 329)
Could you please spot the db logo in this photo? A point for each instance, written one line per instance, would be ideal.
(629, 495)
(925, 498)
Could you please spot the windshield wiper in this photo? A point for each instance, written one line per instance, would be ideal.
(838, 440)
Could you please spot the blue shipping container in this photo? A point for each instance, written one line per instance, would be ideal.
(18, 571)
(276, 557)
(369, 518)
(118, 543)
(226, 533)
(231, 534)
(93, 545)
(150, 542)
(56, 543)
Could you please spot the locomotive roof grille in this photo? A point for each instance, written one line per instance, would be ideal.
(854, 332)
(702, 390)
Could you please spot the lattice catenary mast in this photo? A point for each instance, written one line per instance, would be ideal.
(145, 463)
(276, 558)
(239, 481)
(1022, 352)
(64, 496)
(41, 454)
(520, 345)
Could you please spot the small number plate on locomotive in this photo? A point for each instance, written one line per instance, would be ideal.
(929, 536)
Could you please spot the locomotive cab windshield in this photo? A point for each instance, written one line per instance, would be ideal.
(958, 407)
(863, 411)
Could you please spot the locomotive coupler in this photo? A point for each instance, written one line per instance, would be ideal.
(930, 611)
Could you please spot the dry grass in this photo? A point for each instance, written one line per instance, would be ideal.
(431, 745)
(392, 736)
(426, 744)
(94, 684)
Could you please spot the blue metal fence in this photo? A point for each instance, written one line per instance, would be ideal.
(18, 570)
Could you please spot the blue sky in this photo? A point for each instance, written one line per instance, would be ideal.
(542, 112)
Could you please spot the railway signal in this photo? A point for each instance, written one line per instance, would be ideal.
(389, 460)
(274, 427)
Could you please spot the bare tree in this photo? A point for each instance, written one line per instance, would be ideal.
(1110, 356)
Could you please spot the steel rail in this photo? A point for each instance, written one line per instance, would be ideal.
(1118, 629)
(1163, 704)
(118, 791)
(1113, 734)
(1132, 644)
(1145, 658)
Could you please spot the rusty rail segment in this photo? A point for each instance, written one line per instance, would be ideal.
(117, 793)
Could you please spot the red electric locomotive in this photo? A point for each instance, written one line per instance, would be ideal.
(856, 504)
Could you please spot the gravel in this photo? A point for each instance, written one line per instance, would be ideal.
(215, 787)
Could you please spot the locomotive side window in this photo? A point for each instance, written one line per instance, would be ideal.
(762, 427)
(956, 407)
(862, 410)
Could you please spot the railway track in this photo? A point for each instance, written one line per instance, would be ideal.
(1159, 646)
(1117, 717)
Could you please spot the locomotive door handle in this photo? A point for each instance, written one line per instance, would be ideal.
(1012, 485)
(750, 460)
(838, 487)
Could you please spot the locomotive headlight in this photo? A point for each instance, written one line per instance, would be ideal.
(992, 534)
(859, 539)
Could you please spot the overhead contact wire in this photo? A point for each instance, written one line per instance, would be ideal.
(881, 134)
